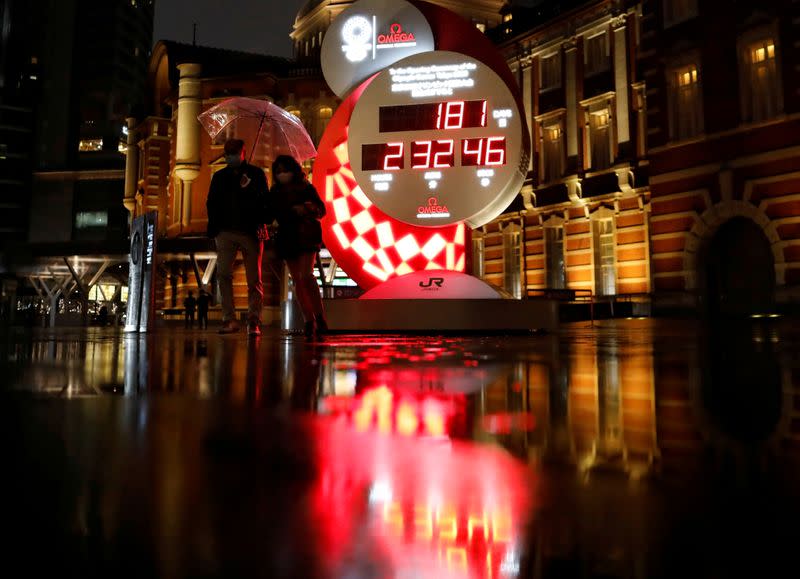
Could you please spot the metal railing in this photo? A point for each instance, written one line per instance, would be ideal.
(572, 296)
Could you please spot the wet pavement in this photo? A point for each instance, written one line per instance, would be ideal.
(634, 448)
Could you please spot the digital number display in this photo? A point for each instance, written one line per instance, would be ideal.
(434, 154)
(432, 116)
(489, 151)
(383, 157)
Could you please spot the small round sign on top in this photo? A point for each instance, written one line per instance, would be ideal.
(370, 36)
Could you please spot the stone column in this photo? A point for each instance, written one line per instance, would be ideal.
(621, 84)
(187, 150)
(131, 168)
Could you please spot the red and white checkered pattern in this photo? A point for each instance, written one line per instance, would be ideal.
(370, 245)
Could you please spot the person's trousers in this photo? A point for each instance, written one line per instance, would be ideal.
(228, 244)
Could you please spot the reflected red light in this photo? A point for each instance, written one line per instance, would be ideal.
(505, 422)
(380, 409)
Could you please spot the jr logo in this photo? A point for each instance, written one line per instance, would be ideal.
(437, 281)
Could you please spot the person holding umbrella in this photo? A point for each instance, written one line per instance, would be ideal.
(297, 207)
(237, 220)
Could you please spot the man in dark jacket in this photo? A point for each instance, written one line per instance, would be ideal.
(236, 221)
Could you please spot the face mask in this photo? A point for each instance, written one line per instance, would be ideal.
(284, 178)
(233, 159)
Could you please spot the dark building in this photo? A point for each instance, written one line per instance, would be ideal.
(19, 83)
(94, 60)
(71, 72)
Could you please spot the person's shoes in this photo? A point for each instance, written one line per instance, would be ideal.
(310, 329)
(254, 329)
(229, 327)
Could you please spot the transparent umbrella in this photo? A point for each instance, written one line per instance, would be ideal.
(266, 129)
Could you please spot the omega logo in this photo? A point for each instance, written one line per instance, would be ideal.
(432, 210)
(396, 36)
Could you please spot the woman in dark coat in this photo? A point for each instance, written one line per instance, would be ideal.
(298, 208)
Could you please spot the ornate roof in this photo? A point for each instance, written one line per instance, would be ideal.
(308, 8)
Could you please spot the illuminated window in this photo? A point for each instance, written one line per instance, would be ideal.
(761, 86)
(605, 275)
(323, 117)
(512, 260)
(550, 72)
(676, 11)
(90, 145)
(686, 106)
(508, 17)
(599, 139)
(552, 152)
(596, 55)
(87, 219)
(480, 26)
(554, 248)
(122, 147)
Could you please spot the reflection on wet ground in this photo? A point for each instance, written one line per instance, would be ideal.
(635, 448)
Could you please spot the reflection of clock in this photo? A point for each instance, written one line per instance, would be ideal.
(136, 247)
(437, 139)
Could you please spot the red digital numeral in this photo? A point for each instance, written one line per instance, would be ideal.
(432, 154)
(489, 151)
(393, 160)
(495, 151)
(421, 154)
(483, 114)
(453, 117)
(472, 152)
(444, 154)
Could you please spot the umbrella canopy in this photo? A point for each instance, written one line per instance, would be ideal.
(266, 129)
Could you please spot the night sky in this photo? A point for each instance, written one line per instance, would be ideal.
(250, 25)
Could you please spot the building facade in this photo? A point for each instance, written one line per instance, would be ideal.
(581, 222)
(663, 165)
(723, 132)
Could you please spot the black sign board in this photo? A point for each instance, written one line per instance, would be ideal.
(141, 281)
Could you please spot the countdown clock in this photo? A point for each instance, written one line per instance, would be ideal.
(437, 139)
(429, 139)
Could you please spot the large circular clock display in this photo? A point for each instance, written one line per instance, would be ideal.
(437, 139)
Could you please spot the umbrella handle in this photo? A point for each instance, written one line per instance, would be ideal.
(258, 135)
